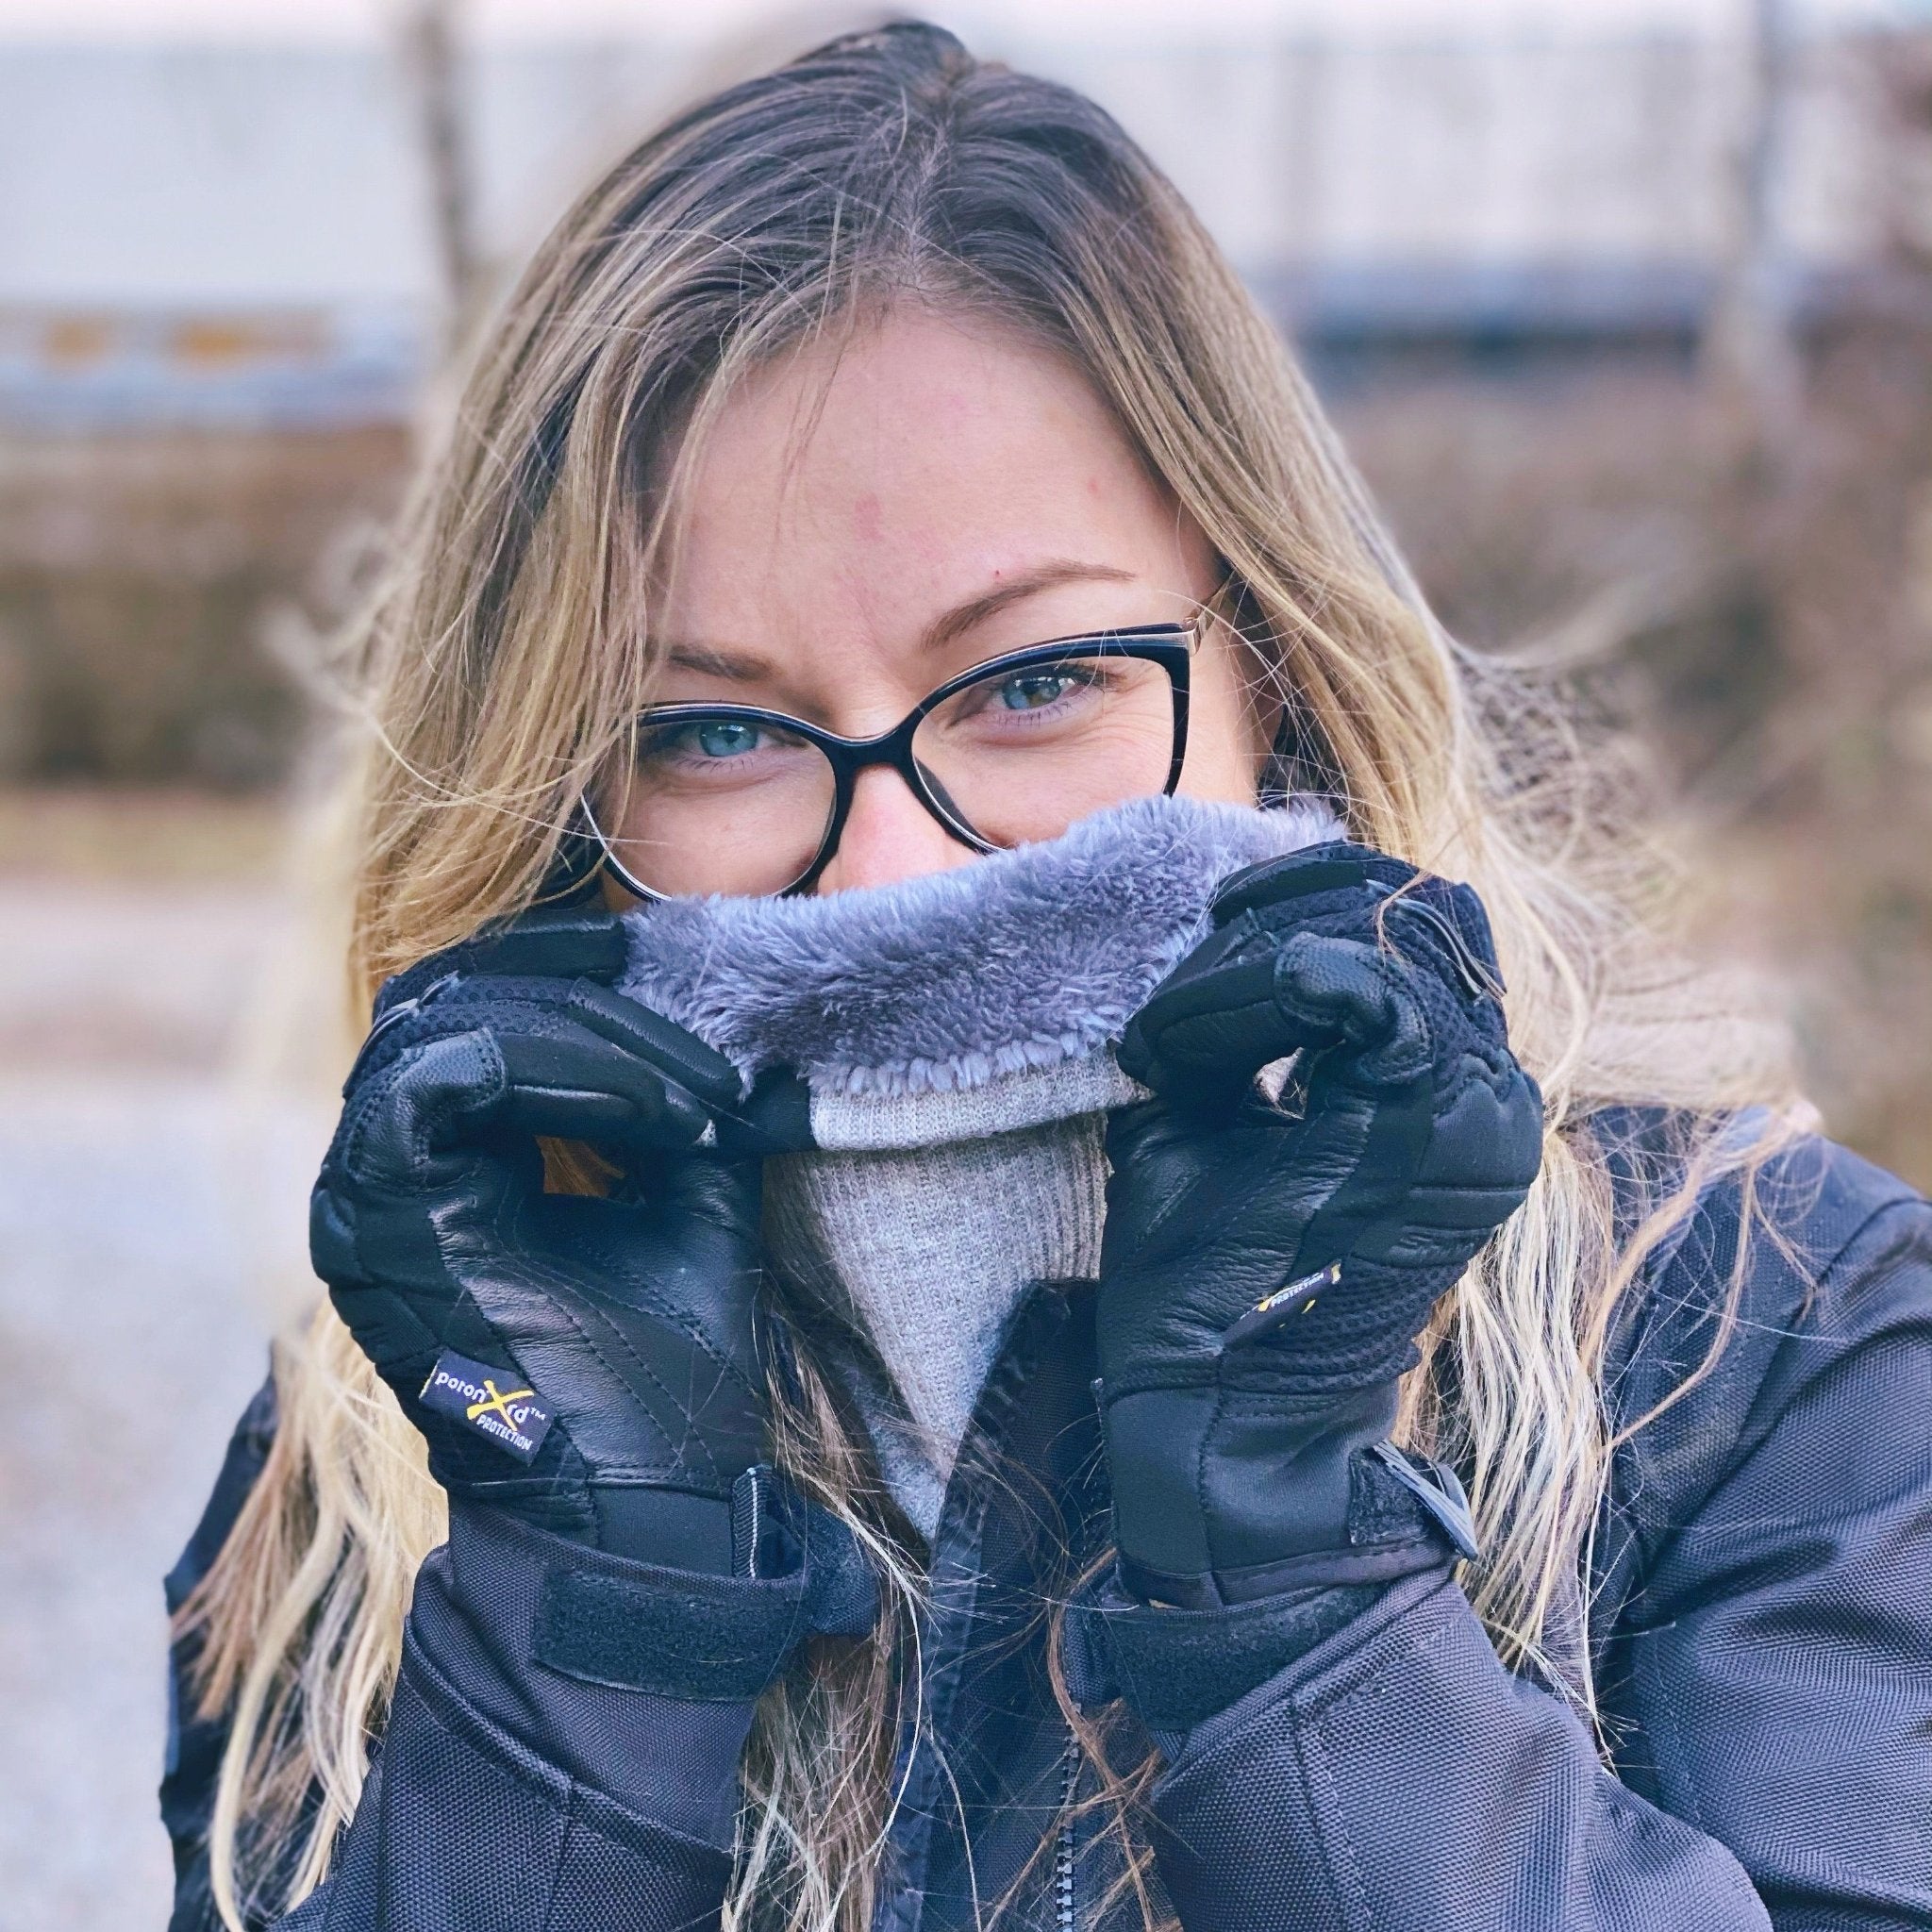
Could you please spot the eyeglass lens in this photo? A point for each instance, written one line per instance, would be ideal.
(722, 803)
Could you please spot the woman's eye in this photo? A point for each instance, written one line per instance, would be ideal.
(726, 738)
(1028, 690)
(1035, 690)
(705, 739)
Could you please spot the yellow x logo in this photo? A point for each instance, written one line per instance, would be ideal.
(496, 1404)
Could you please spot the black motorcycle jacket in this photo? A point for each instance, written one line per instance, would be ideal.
(1756, 1610)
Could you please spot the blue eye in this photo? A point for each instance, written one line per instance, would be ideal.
(717, 749)
(726, 738)
(1032, 690)
(703, 740)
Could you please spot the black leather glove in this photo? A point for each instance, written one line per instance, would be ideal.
(588, 1365)
(1267, 1264)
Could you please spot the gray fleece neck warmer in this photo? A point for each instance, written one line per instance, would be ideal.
(955, 1035)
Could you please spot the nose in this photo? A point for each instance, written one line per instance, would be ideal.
(888, 835)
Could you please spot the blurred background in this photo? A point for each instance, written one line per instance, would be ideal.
(1623, 305)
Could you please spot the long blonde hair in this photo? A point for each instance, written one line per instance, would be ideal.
(509, 647)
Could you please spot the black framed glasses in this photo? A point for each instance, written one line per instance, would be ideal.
(738, 800)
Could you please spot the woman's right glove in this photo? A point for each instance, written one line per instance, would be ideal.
(588, 1365)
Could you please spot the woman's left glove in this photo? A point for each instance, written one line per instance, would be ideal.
(1267, 1262)
(588, 1365)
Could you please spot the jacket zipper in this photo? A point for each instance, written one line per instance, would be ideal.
(1063, 1851)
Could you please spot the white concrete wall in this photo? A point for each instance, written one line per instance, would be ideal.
(236, 174)
(1499, 178)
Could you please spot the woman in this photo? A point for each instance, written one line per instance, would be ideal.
(832, 1518)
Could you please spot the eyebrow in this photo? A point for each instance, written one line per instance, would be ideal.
(747, 667)
(962, 617)
(739, 667)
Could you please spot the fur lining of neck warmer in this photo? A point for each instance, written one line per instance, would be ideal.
(1024, 960)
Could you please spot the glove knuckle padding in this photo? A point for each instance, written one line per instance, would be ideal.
(570, 1082)
(1299, 956)
(641, 1079)
(1199, 1020)
(399, 1120)
(680, 1056)
(1311, 879)
(1344, 993)
(1488, 1135)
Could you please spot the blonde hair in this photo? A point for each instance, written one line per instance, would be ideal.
(508, 649)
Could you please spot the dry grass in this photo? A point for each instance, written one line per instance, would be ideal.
(133, 836)
(142, 581)
(1765, 626)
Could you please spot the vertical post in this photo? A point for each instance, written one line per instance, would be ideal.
(432, 66)
(1748, 352)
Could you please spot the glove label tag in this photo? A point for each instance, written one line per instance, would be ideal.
(490, 1401)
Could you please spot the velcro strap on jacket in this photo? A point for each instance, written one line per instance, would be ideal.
(1174, 1667)
(680, 1633)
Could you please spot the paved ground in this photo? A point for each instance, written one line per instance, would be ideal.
(151, 1214)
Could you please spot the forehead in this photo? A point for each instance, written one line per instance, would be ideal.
(874, 481)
